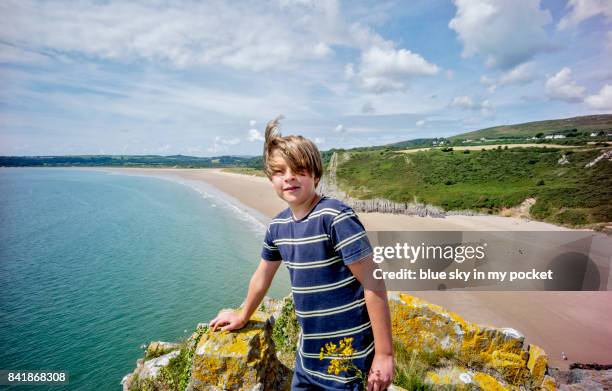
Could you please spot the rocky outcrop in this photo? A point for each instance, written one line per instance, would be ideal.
(243, 359)
(582, 377)
(434, 347)
(464, 354)
(606, 155)
(240, 360)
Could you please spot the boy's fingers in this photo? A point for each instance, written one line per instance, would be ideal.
(213, 323)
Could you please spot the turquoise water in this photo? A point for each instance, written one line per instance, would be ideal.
(93, 265)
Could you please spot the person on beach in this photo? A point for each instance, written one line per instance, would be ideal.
(329, 257)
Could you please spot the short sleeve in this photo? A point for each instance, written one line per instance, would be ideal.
(270, 252)
(349, 237)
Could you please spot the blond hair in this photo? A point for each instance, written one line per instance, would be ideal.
(300, 153)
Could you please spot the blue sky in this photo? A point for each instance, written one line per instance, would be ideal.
(203, 78)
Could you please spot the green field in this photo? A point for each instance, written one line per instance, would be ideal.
(487, 181)
(583, 124)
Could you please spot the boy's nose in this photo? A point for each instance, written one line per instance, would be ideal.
(289, 174)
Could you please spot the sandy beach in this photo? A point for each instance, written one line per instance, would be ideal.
(577, 323)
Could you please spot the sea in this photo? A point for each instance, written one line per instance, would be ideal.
(94, 265)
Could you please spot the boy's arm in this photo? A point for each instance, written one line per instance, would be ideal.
(258, 286)
(377, 304)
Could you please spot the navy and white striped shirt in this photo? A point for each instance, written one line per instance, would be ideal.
(329, 300)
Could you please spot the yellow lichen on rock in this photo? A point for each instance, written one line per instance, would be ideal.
(426, 327)
(548, 384)
(489, 383)
(238, 360)
(537, 364)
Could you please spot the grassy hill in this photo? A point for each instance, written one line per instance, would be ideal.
(487, 181)
(582, 124)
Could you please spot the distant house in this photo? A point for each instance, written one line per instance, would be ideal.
(552, 136)
(483, 139)
(594, 134)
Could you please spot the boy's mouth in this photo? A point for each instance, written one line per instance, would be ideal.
(291, 188)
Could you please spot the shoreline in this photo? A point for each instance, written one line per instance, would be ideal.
(256, 194)
(576, 323)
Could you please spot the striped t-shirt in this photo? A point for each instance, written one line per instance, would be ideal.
(329, 300)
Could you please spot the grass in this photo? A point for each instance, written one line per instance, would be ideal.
(487, 181)
(175, 376)
(285, 333)
(245, 171)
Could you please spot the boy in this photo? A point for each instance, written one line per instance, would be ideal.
(327, 252)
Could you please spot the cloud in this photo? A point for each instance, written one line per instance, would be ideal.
(255, 135)
(319, 140)
(505, 34)
(490, 82)
(197, 150)
(340, 129)
(14, 55)
(521, 74)
(602, 100)
(581, 10)
(420, 123)
(175, 34)
(368, 108)
(561, 86)
(230, 141)
(252, 123)
(220, 144)
(486, 109)
(385, 69)
(465, 102)
(164, 148)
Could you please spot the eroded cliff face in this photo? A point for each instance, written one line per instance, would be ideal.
(434, 349)
(465, 354)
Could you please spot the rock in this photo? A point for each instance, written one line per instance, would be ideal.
(454, 353)
(537, 363)
(148, 369)
(588, 379)
(242, 359)
(607, 155)
(426, 327)
(157, 348)
(548, 384)
(464, 379)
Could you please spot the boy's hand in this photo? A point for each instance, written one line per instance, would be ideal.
(381, 372)
(228, 320)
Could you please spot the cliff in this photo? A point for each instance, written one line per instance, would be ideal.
(434, 349)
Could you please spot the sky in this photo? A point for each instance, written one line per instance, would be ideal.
(204, 78)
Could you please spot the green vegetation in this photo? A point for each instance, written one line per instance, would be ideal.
(570, 127)
(409, 371)
(245, 171)
(487, 181)
(175, 376)
(177, 161)
(285, 333)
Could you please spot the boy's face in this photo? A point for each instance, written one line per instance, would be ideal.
(295, 188)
